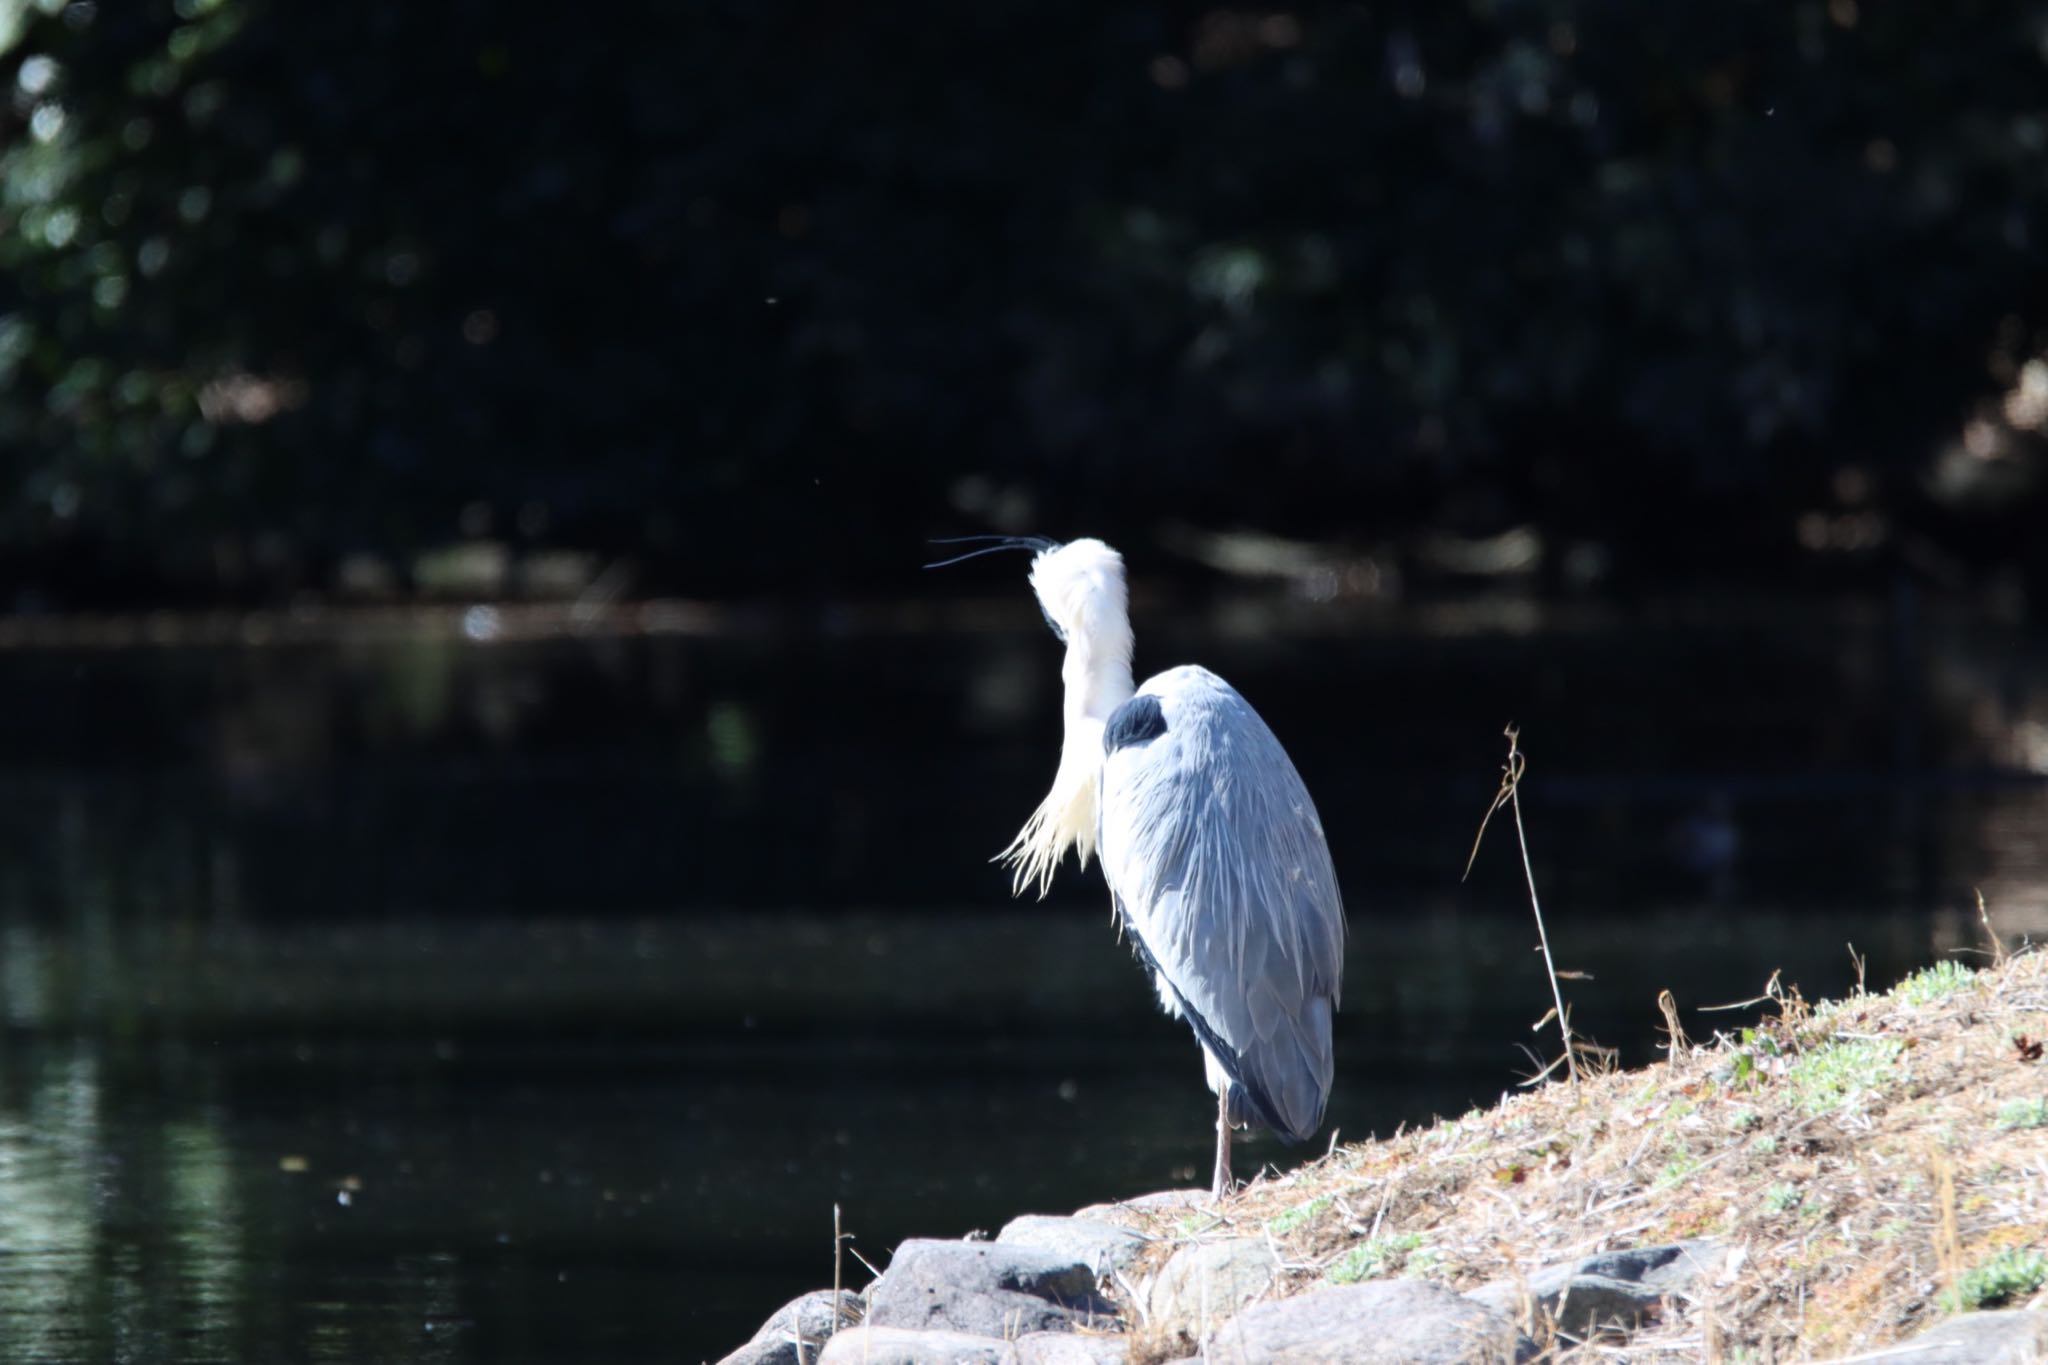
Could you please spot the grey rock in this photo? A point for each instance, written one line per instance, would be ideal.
(1382, 1322)
(1207, 1283)
(1072, 1348)
(1103, 1247)
(989, 1288)
(1612, 1289)
(796, 1332)
(761, 1351)
(906, 1346)
(2010, 1337)
(1159, 1201)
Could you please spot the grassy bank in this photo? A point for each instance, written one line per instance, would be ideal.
(1876, 1162)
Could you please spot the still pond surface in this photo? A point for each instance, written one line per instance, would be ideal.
(414, 995)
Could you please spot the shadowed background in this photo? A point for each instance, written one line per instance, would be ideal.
(291, 298)
(494, 821)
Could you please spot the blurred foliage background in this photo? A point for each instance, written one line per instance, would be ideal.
(735, 299)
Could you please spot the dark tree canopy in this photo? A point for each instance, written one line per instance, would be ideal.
(692, 285)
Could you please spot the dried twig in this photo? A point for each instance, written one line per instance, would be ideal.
(838, 1283)
(1948, 1241)
(1509, 795)
(1997, 944)
(1676, 1041)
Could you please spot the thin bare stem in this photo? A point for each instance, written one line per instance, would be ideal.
(1997, 943)
(1500, 798)
(1675, 1040)
(1510, 795)
(838, 1246)
(1948, 1242)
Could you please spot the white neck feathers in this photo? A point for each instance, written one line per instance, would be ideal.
(1081, 587)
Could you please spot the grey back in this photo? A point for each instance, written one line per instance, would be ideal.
(1218, 862)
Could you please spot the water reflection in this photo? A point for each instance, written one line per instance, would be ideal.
(119, 1242)
(207, 1257)
(51, 1172)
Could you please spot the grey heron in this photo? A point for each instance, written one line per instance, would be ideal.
(1217, 864)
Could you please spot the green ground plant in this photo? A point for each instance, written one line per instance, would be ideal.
(1377, 1258)
(1934, 983)
(2024, 1113)
(1838, 1073)
(1296, 1218)
(1999, 1280)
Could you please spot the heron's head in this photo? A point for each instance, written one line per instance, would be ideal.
(1080, 588)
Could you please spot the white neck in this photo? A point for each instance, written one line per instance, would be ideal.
(1097, 674)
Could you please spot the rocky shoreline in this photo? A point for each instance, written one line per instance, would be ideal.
(1069, 1290)
(1857, 1180)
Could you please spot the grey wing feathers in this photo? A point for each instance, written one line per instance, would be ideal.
(1214, 851)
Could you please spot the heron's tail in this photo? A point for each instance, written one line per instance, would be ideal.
(1287, 1076)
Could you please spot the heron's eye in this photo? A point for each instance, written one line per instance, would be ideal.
(1054, 624)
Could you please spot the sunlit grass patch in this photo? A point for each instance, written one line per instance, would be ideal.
(2024, 1113)
(1677, 1169)
(1998, 1280)
(1376, 1259)
(1934, 983)
(1782, 1197)
(1296, 1218)
(1830, 1076)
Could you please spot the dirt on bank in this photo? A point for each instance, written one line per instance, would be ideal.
(1874, 1164)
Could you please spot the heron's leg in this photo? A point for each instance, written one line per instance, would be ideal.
(1222, 1185)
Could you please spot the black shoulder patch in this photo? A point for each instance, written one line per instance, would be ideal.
(1137, 721)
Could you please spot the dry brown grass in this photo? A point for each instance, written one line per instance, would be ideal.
(1852, 1154)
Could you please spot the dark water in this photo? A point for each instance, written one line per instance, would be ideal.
(405, 996)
